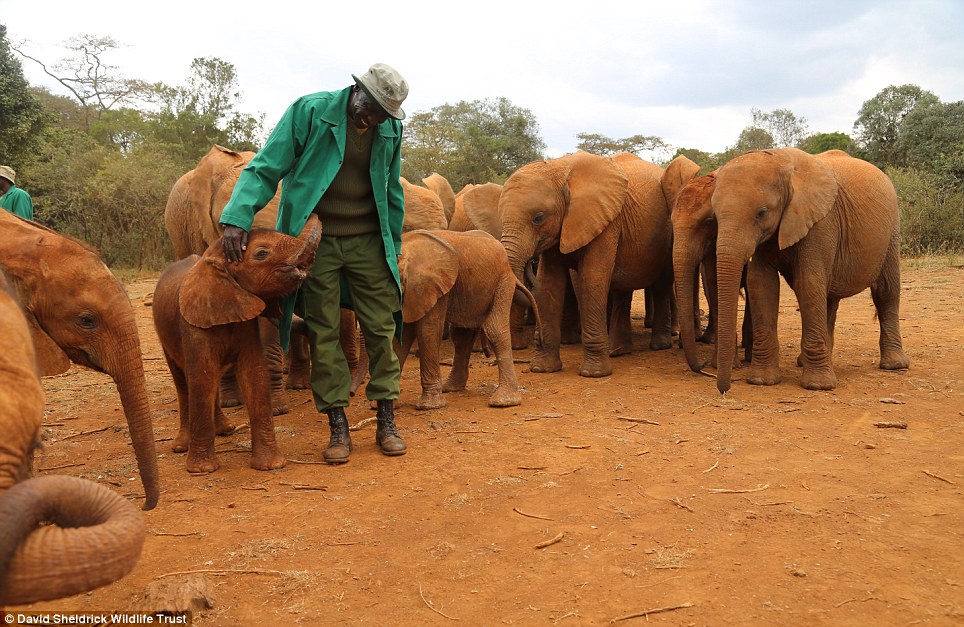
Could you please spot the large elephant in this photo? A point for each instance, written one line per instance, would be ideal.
(443, 189)
(829, 224)
(477, 207)
(608, 219)
(205, 313)
(78, 311)
(462, 279)
(192, 218)
(59, 536)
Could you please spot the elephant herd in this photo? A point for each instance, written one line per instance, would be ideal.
(600, 228)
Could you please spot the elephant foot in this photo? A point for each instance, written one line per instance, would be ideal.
(621, 349)
(279, 405)
(661, 341)
(818, 379)
(453, 384)
(202, 464)
(761, 376)
(229, 398)
(505, 396)
(268, 459)
(596, 369)
(707, 338)
(297, 381)
(894, 360)
(430, 401)
(181, 442)
(224, 427)
(546, 363)
(800, 361)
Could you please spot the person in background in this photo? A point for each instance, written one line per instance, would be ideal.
(339, 156)
(14, 199)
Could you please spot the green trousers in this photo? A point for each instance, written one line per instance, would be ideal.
(357, 261)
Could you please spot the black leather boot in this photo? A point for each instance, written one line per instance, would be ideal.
(386, 435)
(339, 447)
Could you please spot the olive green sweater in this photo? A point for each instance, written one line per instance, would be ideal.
(348, 207)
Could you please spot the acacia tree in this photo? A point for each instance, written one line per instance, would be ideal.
(783, 126)
(21, 113)
(650, 145)
(471, 142)
(878, 122)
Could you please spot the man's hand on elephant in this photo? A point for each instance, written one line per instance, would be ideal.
(235, 242)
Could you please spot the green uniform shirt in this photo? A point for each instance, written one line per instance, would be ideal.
(17, 202)
(305, 152)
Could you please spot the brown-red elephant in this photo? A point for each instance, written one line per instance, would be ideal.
(205, 313)
(607, 218)
(463, 280)
(443, 189)
(827, 223)
(79, 312)
(59, 536)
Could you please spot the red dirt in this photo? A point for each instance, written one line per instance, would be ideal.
(773, 505)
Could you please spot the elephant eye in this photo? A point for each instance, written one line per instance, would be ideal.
(539, 218)
(86, 320)
(761, 213)
(261, 254)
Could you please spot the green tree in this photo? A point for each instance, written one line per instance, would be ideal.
(752, 138)
(932, 137)
(471, 142)
(782, 125)
(822, 142)
(879, 120)
(21, 113)
(706, 160)
(636, 144)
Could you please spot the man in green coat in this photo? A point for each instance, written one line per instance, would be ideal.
(338, 154)
(12, 198)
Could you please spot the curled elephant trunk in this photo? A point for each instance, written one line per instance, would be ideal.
(94, 538)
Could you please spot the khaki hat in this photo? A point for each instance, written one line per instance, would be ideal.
(386, 86)
(8, 173)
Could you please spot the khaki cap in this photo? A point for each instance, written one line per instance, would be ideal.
(8, 173)
(386, 86)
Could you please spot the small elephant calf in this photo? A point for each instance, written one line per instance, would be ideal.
(205, 313)
(463, 279)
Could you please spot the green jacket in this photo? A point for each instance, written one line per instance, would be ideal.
(304, 152)
(17, 202)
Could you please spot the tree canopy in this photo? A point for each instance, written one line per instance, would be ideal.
(21, 113)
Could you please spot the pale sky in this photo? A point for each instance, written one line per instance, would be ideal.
(688, 71)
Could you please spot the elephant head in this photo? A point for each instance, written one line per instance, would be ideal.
(694, 238)
(440, 185)
(216, 291)
(758, 196)
(564, 202)
(78, 311)
(477, 207)
(423, 208)
(95, 536)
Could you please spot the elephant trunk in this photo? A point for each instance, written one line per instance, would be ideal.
(128, 374)
(686, 260)
(729, 267)
(519, 251)
(95, 538)
(310, 237)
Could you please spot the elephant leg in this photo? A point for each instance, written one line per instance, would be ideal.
(253, 377)
(662, 335)
(202, 395)
(595, 340)
(183, 439)
(517, 326)
(299, 364)
(408, 339)
(222, 425)
(570, 327)
(708, 275)
(550, 294)
(647, 309)
(620, 325)
(429, 343)
(747, 328)
(816, 343)
(764, 282)
(496, 328)
(885, 293)
(463, 340)
(274, 359)
(230, 395)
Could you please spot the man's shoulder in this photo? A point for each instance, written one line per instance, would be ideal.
(321, 98)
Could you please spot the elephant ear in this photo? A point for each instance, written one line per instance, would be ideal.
(481, 204)
(209, 296)
(429, 267)
(51, 359)
(813, 193)
(596, 189)
(679, 172)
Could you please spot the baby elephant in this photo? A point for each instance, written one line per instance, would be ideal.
(205, 313)
(463, 279)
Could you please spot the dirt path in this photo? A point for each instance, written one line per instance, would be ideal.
(646, 490)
